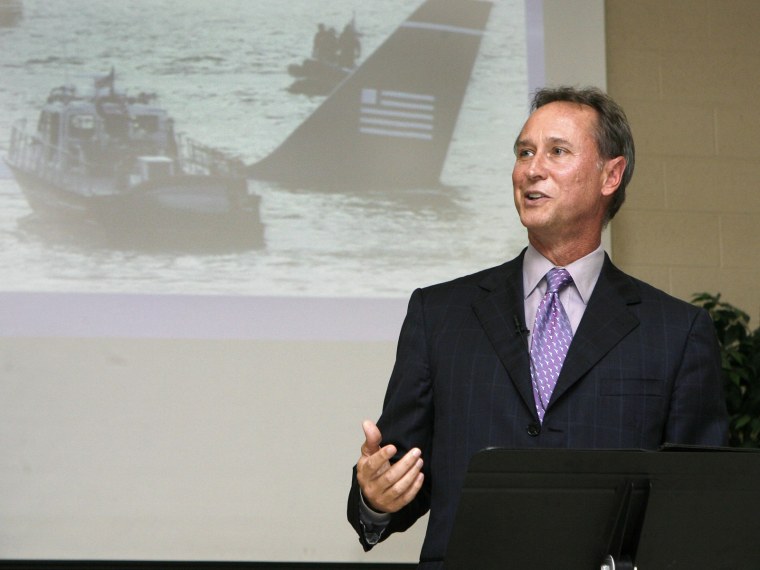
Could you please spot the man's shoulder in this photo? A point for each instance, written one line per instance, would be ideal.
(641, 292)
(484, 278)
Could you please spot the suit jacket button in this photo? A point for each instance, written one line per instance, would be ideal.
(534, 430)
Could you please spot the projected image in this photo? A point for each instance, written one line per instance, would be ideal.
(114, 162)
(258, 148)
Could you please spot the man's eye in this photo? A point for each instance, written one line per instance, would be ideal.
(524, 152)
(558, 151)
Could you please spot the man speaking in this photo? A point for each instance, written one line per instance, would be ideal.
(556, 348)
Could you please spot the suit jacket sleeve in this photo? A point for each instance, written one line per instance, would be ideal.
(697, 414)
(407, 417)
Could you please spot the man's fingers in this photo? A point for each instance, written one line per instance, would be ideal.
(413, 466)
(385, 477)
(396, 486)
(412, 484)
(387, 487)
(396, 472)
(379, 462)
(372, 438)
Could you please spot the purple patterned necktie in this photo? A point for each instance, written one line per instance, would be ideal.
(551, 338)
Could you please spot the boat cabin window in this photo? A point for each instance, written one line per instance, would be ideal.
(81, 126)
(147, 124)
(49, 127)
(116, 124)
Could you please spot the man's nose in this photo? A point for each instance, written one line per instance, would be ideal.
(536, 168)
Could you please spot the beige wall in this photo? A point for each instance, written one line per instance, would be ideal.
(688, 74)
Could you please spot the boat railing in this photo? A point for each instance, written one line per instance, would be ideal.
(49, 162)
(196, 158)
(69, 168)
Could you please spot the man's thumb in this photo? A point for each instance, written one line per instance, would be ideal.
(372, 438)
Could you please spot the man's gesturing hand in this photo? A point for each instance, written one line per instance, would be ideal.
(387, 488)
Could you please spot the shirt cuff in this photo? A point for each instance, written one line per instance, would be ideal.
(373, 522)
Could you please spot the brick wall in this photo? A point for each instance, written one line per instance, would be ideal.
(687, 73)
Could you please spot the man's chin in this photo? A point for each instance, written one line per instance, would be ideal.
(535, 220)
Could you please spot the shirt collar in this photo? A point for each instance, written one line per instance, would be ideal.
(584, 271)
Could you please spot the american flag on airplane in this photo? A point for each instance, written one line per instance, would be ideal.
(397, 114)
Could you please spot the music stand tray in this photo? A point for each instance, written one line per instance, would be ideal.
(678, 508)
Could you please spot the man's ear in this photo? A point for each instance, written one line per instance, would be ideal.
(612, 175)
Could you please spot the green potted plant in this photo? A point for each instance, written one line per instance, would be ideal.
(740, 351)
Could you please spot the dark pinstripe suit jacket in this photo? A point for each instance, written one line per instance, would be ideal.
(643, 369)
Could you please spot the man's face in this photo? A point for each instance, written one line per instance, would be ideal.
(561, 185)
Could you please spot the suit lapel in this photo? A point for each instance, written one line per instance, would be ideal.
(606, 321)
(501, 312)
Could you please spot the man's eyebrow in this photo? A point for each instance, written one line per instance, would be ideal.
(520, 142)
(553, 140)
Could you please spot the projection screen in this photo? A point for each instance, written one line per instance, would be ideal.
(189, 342)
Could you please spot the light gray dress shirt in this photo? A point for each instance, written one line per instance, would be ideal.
(574, 298)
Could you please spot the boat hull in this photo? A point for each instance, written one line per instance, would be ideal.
(314, 77)
(188, 212)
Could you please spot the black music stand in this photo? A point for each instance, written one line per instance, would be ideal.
(678, 508)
